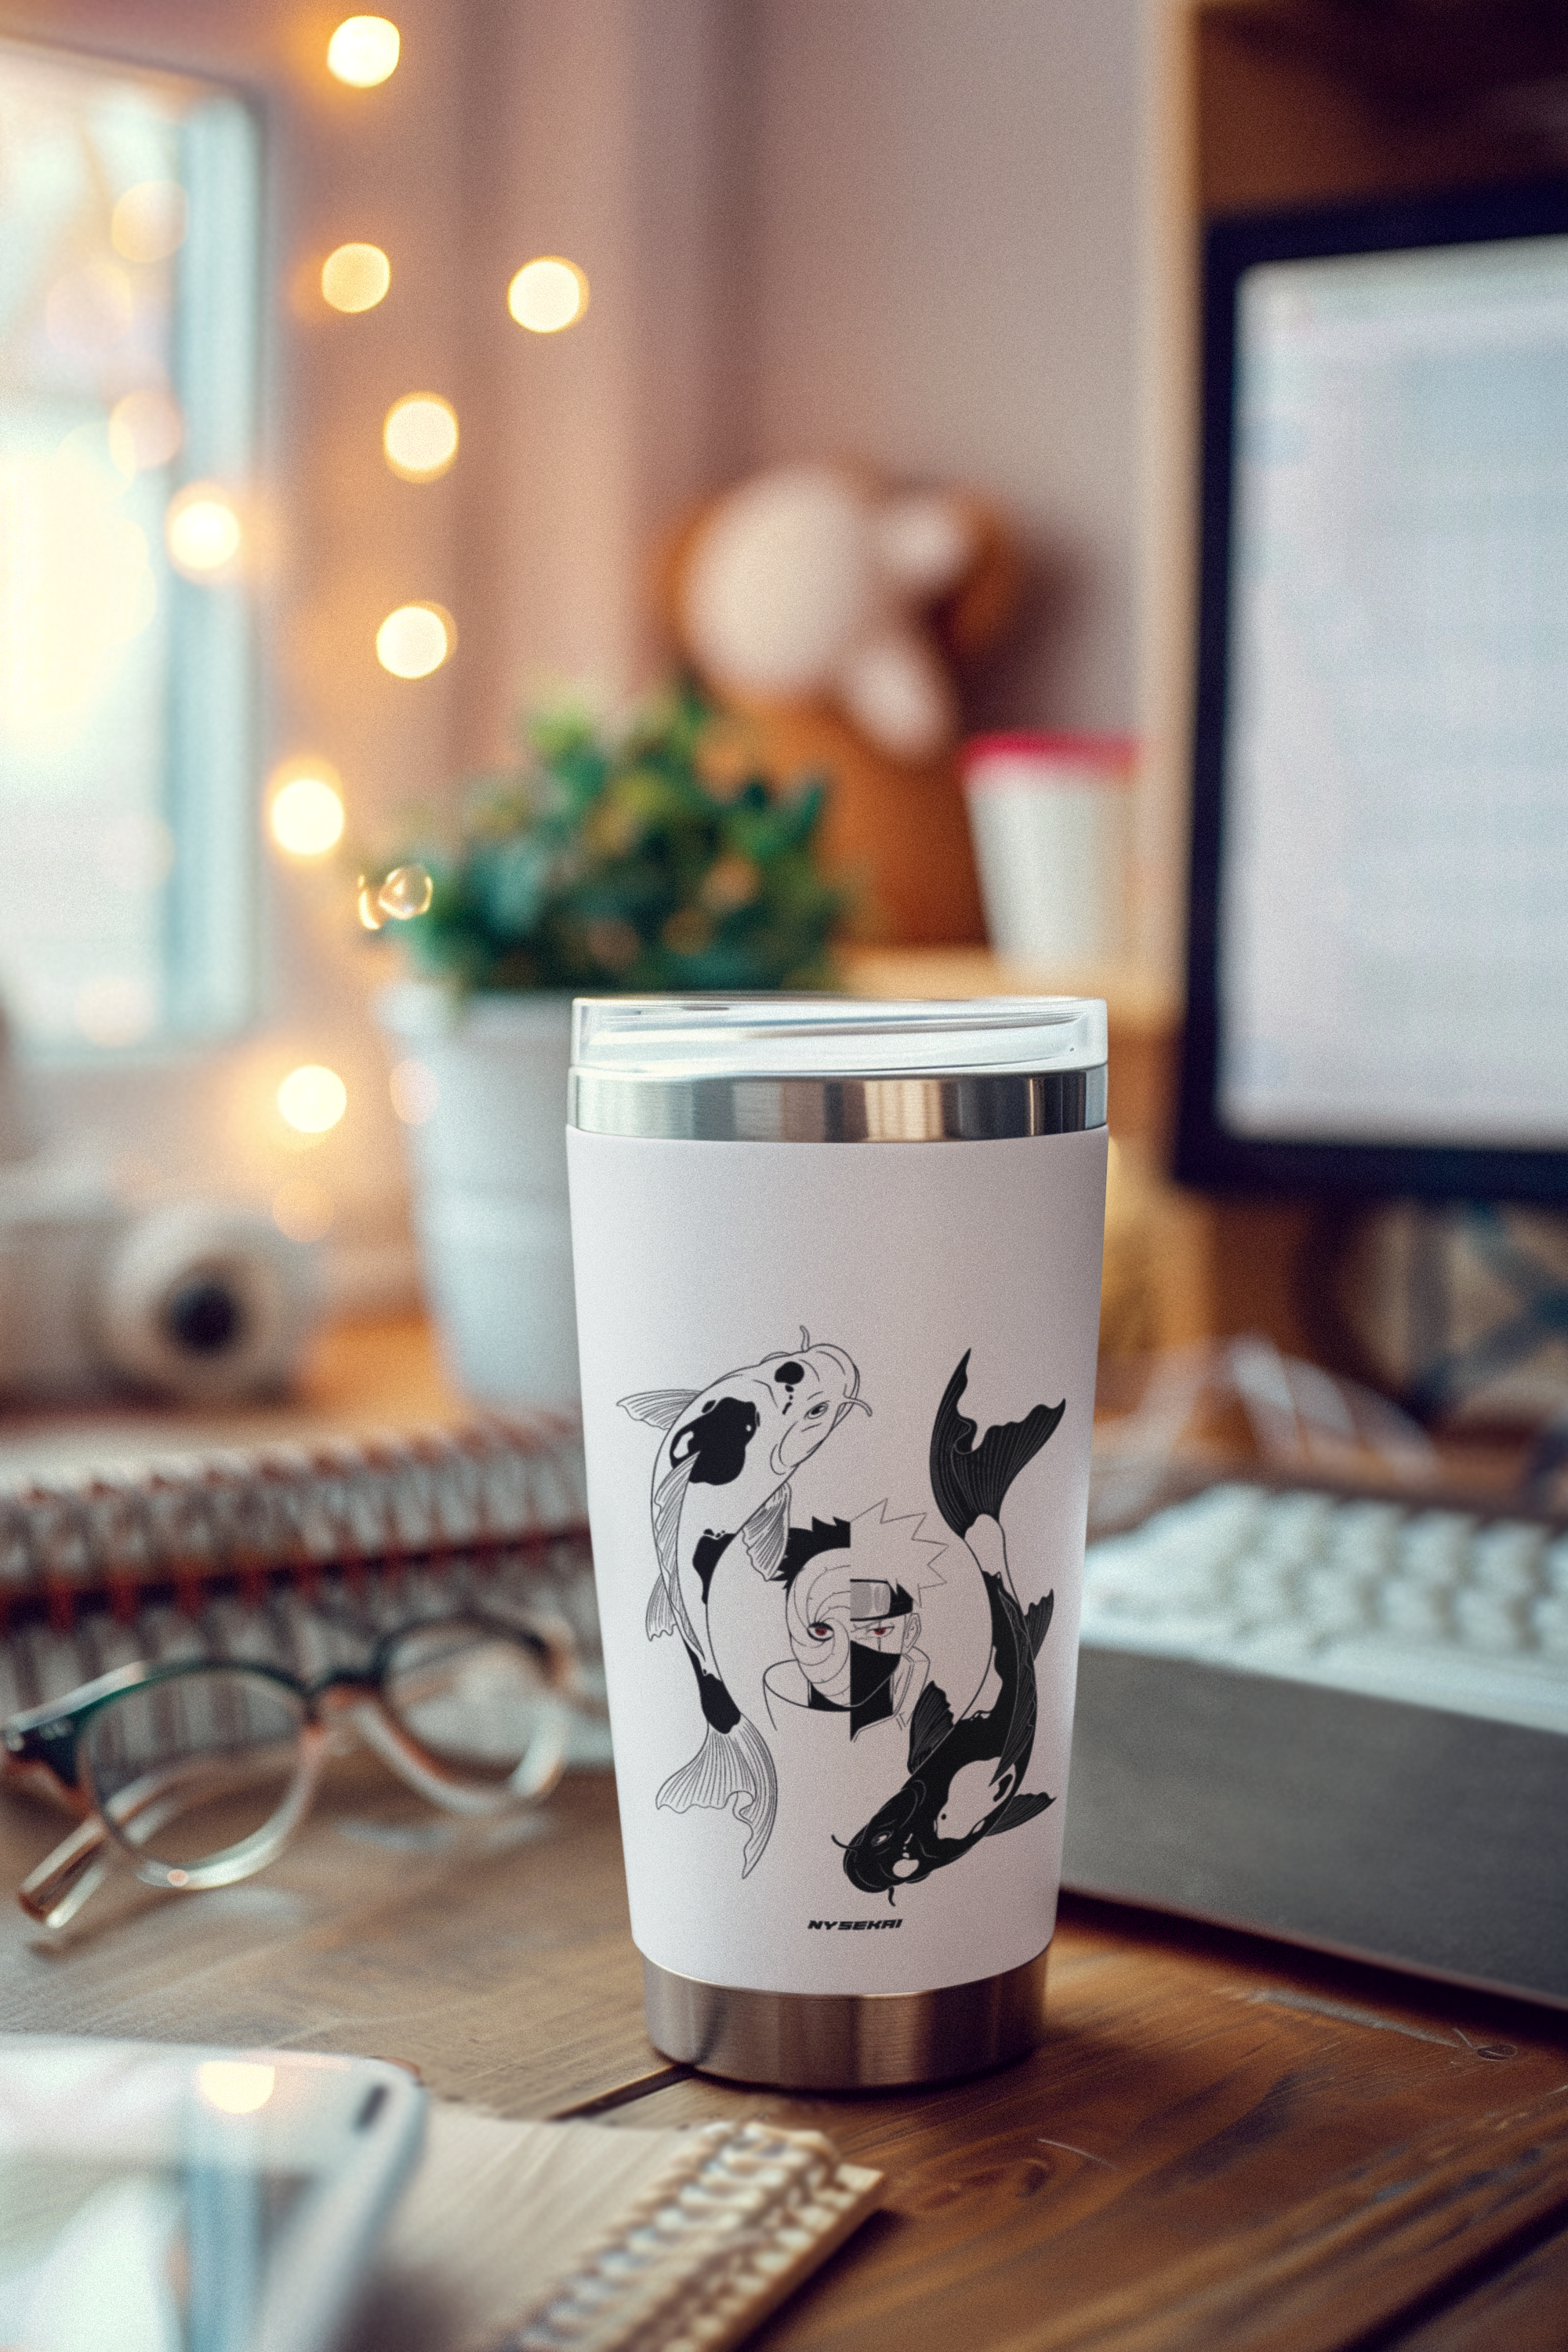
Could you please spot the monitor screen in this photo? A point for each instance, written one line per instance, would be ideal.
(1379, 915)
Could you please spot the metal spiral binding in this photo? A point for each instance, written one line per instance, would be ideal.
(296, 1556)
(719, 2235)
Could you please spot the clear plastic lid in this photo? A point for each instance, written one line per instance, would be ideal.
(834, 1036)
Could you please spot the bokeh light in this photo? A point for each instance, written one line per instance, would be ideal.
(415, 640)
(202, 530)
(363, 51)
(355, 278)
(415, 1091)
(406, 892)
(149, 222)
(312, 1099)
(145, 430)
(302, 1210)
(305, 814)
(420, 436)
(236, 2086)
(547, 295)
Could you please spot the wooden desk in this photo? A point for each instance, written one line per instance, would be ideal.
(1222, 2143)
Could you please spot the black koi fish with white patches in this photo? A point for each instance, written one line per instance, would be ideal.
(965, 1776)
(722, 1475)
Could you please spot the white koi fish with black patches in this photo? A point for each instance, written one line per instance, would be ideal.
(723, 1473)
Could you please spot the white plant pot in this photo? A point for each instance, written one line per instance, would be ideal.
(488, 1165)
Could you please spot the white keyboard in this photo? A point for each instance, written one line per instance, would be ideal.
(1434, 1607)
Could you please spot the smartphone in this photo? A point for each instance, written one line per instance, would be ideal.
(157, 2199)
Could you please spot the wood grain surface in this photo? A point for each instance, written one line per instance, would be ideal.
(504, 1972)
(1222, 2142)
(1521, 2307)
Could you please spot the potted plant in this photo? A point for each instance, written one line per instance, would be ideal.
(648, 858)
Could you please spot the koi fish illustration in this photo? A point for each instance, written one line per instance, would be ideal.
(965, 1776)
(721, 1476)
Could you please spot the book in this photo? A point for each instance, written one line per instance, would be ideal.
(534, 2237)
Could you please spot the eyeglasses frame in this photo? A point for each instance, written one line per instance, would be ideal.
(42, 1748)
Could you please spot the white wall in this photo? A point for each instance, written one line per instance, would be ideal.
(902, 229)
(603, 129)
(944, 278)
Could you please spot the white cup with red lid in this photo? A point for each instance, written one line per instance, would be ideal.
(1051, 818)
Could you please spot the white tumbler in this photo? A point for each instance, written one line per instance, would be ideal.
(838, 1268)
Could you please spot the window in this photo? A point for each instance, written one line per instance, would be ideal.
(129, 303)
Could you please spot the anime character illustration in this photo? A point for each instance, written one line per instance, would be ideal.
(966, 1772)
(850, 1590)
(721, 1476)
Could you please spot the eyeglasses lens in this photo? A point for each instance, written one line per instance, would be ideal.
(470, 1695)
(188, 1768)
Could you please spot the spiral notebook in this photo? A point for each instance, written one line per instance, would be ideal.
(290, 1554)
(541, 2237)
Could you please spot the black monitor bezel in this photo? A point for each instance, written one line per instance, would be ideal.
(1208, 1154)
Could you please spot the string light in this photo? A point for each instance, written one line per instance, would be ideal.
(202, 530)
(415, 640)
(363, 51)
(420, 436)
(305, 816)
(547, 295)
(355, 277)
(312, 1099)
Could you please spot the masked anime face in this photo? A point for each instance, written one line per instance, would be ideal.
(882, 1616)
(832, 1614)
(818, 1616)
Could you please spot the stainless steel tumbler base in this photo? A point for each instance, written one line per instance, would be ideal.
(847, 2041)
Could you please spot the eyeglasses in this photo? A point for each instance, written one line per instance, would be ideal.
(198, 1772)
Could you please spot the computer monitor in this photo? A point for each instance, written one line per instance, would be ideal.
(1378, 928)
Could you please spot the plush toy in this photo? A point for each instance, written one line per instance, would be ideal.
(827, 609)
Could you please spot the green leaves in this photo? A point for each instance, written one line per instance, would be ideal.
(605, 864)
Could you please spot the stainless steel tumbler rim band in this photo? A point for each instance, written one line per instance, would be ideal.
(845, 2041)
(982, 1107)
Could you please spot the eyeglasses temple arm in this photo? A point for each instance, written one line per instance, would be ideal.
(56, 1891)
